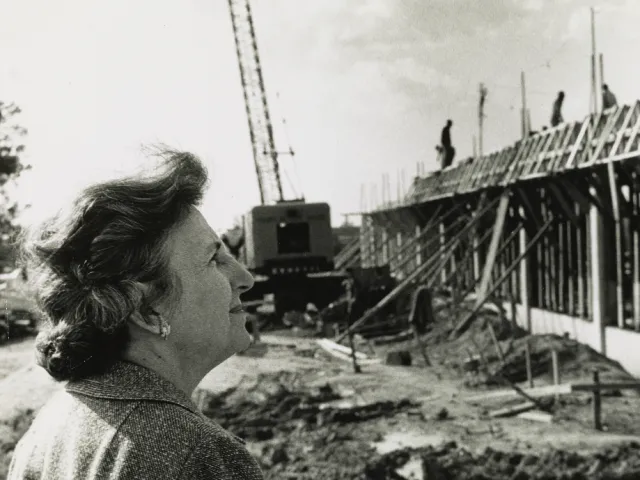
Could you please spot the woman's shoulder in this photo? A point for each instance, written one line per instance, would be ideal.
(211, 451)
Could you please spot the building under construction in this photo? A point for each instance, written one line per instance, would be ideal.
(548, 225)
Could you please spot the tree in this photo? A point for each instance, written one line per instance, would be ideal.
(11, 148)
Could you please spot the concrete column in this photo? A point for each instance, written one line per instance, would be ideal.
(443, 242)
(523, 240)
(597, 273)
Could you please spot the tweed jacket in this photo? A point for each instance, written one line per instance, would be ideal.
(128, 423)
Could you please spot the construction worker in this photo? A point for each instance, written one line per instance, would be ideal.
(447, 152)
(608, 98)
(556, 114)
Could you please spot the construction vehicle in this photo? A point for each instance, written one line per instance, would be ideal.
(286, 243)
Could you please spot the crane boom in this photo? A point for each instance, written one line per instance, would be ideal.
(265, 155)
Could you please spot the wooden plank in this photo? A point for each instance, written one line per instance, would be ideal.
(536, 416)
(536, 392)
(634, 132)
(512, 411)
(576, 146)
(495, 242)
(592, 387)
(603, 137)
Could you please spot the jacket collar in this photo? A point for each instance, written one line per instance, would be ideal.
(129, 381)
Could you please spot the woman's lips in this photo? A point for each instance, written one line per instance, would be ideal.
(237, 309)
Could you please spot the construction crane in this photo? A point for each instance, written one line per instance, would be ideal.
(265, 154)
(287, 244)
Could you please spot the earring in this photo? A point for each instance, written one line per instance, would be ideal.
(165, 329)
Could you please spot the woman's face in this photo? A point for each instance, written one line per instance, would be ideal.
(203, 328)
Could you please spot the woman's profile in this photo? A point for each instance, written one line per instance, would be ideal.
(141, 301)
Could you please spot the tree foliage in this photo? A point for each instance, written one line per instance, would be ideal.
(11, 149)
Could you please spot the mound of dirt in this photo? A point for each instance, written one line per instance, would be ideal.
(449, 461)
(300, 432)
(576, 361)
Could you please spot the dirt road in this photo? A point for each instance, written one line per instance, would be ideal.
(306, 414)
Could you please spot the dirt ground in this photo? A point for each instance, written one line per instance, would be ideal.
(306, 414)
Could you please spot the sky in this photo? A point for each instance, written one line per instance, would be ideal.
(364, 86)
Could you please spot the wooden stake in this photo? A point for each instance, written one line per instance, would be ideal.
(597, 406)
(527, 358)
(496, 344)
(349, 288)
(555, 367)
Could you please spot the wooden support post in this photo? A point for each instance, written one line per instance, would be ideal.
(527, 358)
(418, 246)
(496, 344)
(524, 280)
(514, 311)
(385, 247)
(636, 261)
(493, 246)
(613, 188)
(555, 367)
(348, 284)
(443, 242)
(597, 405)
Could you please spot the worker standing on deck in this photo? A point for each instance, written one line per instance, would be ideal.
(448, 152)
(556, 115)
(608, 98)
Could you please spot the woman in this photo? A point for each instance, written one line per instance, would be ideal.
(142, 300)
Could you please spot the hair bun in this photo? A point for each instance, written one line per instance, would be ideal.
(61, 349)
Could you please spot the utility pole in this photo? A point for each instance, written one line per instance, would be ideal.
(594, 77)
(601, 74)
(483, 96)
(524, 114)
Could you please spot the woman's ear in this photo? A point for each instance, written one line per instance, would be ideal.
(150, 321)
(148, 318)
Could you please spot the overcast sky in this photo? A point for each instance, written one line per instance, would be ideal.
(364, 85)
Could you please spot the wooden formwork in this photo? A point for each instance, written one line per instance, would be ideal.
(552, 183)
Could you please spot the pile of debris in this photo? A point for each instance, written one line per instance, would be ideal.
(450, 461)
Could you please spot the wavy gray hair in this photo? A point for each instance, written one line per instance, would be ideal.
(104, 260)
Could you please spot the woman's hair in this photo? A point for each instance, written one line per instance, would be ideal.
(104, 260)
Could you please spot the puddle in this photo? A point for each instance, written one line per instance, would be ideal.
(397, 440)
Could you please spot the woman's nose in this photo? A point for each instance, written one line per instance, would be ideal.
(243, 279)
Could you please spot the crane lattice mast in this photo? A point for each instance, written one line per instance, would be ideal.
(265, 155)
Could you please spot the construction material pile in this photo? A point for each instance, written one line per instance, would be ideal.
(451, 462)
